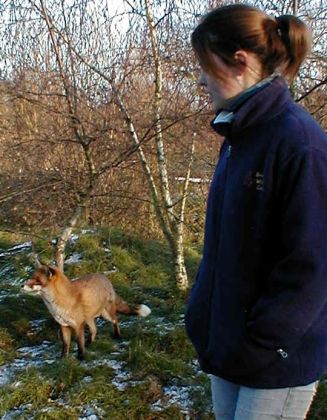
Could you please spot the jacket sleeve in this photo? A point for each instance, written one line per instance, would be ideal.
(295, 291)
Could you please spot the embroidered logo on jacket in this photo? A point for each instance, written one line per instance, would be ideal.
(255, 180)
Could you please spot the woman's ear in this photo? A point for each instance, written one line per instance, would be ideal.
(241, 61)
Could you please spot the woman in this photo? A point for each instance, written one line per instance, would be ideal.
(257, 314)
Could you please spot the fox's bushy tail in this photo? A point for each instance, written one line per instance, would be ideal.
(124, 308)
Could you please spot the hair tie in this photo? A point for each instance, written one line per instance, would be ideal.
(278, 29)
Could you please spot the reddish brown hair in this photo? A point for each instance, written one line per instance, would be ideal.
(279, 44)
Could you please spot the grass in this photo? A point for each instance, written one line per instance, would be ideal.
(120, 379)
(318, 410)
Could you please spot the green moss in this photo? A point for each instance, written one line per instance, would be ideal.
(120, 280)
(65, 372)
(147, 357)
(7, 350)
(56, 413)
(200, 396)
(30, 388)
(318, 410)
(90, 245)
(17, 312)
(147, 251)
(192, 259)
(176, 343)
(124, 261)
(151, 276)
(7, 240)
(103, 344)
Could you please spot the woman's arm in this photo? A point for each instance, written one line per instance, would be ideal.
(296, 289)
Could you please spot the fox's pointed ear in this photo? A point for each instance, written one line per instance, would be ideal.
(52, 270)
(49, 270)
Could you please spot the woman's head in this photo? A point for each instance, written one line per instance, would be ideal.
(276, 44)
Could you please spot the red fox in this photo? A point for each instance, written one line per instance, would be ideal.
(74, 304)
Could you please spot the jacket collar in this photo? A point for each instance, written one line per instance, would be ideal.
(254, 106)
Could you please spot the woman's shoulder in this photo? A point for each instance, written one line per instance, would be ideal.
(299, 130)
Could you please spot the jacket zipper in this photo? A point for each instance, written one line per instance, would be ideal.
(229, 153)
(217, 251)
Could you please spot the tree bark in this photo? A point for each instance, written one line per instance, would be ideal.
(64, 237)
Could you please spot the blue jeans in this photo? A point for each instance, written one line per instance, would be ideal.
(236, 402)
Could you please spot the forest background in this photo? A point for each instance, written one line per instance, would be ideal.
(102, 121)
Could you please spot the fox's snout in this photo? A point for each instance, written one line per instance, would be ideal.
(31, 287)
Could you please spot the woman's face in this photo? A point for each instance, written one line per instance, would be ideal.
(220, 88)
(229, 81)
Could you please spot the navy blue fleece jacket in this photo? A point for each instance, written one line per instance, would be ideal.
(257, 313)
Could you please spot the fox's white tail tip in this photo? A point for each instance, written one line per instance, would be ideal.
(144, 310)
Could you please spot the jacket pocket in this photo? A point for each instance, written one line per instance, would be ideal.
(197, 316)
(246, 359)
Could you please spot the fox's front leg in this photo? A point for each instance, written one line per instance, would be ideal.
(66, 334)
(93, 331)
(80, 342)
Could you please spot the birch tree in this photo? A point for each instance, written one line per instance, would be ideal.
(170, 213)
(49, 47)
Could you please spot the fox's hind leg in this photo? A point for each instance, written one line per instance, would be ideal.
(109, 313)
(66, 334)
(80, 342)
(93, 330)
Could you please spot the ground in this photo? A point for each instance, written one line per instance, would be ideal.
(151, 373)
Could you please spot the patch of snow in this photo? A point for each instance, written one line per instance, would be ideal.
(73, 239)
(100, 322)
(86, 231)
(161, 326)
(113, 270)
(4, 376)
(47, 409)
(33, 356)
(37, 324)
(91, 412)
(196, 365)
(121, 379)
(7, 269)
(34, 351)
(174, 395)
(128, 322)
(74, 258)
(16, 413)
(15, 249)
(4, 294)
(87, 379)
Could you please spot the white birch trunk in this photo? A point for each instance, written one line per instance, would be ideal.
(175, 222)
(162, 165)
(180, 270)
(64, 237)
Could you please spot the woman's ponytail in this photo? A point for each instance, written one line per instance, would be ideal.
(296, 38)
(280, 44)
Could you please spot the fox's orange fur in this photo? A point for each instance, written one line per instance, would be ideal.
(74, 304)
